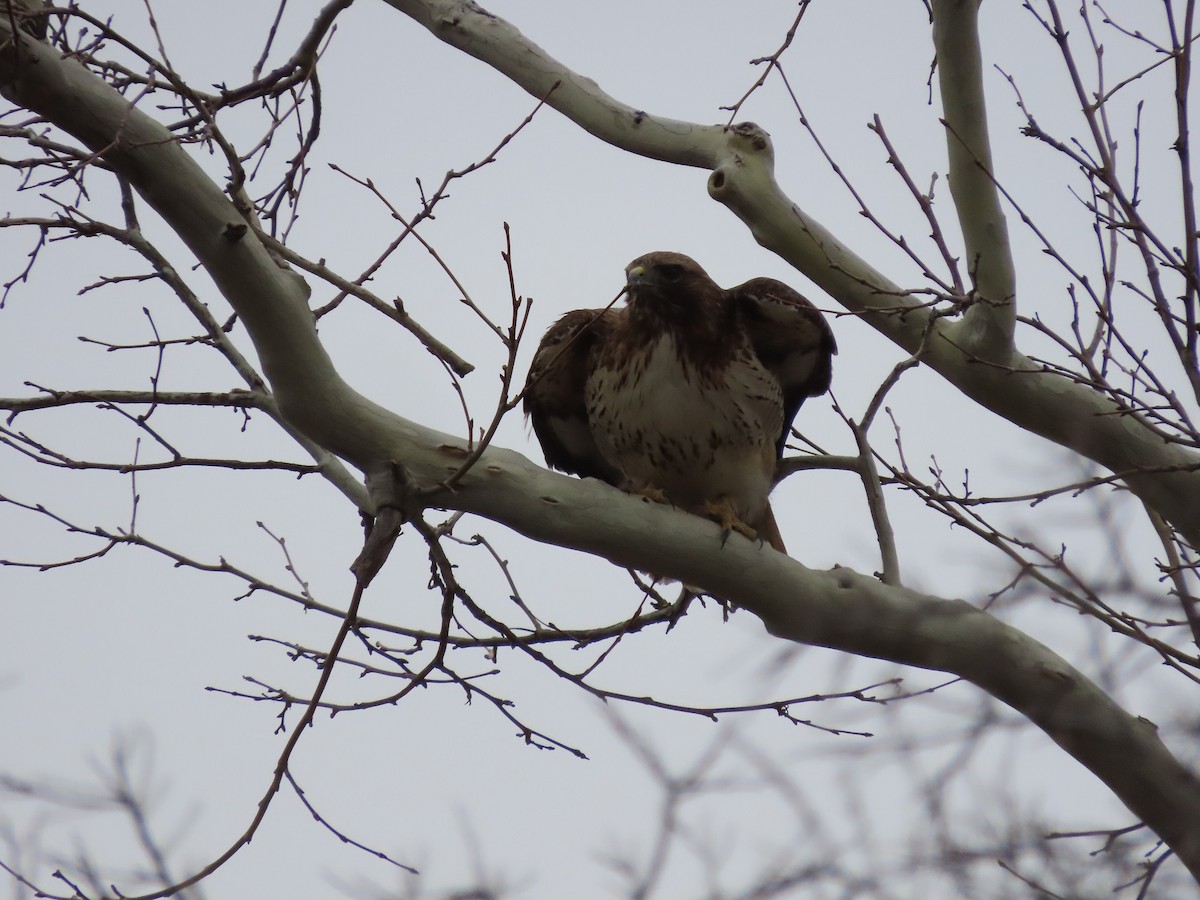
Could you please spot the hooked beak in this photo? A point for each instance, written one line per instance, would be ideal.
(635, 276)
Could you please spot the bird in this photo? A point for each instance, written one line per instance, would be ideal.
(686, 394)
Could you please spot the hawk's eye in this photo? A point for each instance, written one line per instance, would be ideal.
(670, 272)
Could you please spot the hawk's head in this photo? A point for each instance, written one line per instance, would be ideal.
(669, 284)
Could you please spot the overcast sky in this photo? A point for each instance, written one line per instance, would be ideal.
(126, 646)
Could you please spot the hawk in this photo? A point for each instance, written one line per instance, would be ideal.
(686, 394)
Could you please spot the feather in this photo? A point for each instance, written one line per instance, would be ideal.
(685, 394)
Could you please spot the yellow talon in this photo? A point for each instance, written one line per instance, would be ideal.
(722, 512)
(650, 493)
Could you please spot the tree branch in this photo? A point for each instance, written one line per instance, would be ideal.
(742, 162)
(838, 608)
(987, 326)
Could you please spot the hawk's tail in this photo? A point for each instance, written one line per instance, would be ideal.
(768, 530)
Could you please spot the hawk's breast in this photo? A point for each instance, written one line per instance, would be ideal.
(697, 429)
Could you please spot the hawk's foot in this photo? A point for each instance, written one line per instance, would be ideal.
(722, 512)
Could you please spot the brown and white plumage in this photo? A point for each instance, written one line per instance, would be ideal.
(687, 393)
(555, 394)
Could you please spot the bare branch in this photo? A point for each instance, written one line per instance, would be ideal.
(987, 327)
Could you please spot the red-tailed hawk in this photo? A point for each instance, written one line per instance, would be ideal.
(686, 394)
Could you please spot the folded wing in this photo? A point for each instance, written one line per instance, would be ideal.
(792, 340)
(555, 395)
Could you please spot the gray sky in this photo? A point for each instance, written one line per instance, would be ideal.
(127, 644)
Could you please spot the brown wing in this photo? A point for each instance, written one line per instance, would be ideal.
(555, 395)
(791, 338)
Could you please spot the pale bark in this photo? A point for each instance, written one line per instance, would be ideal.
(838, 608)
(987, 325)
(1165, 476)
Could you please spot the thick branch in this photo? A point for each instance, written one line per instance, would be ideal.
(478, 33)
(741, 160)
(838, 609)
(987, 327)
(270, 298)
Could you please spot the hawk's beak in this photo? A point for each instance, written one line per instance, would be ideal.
(635, 276)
